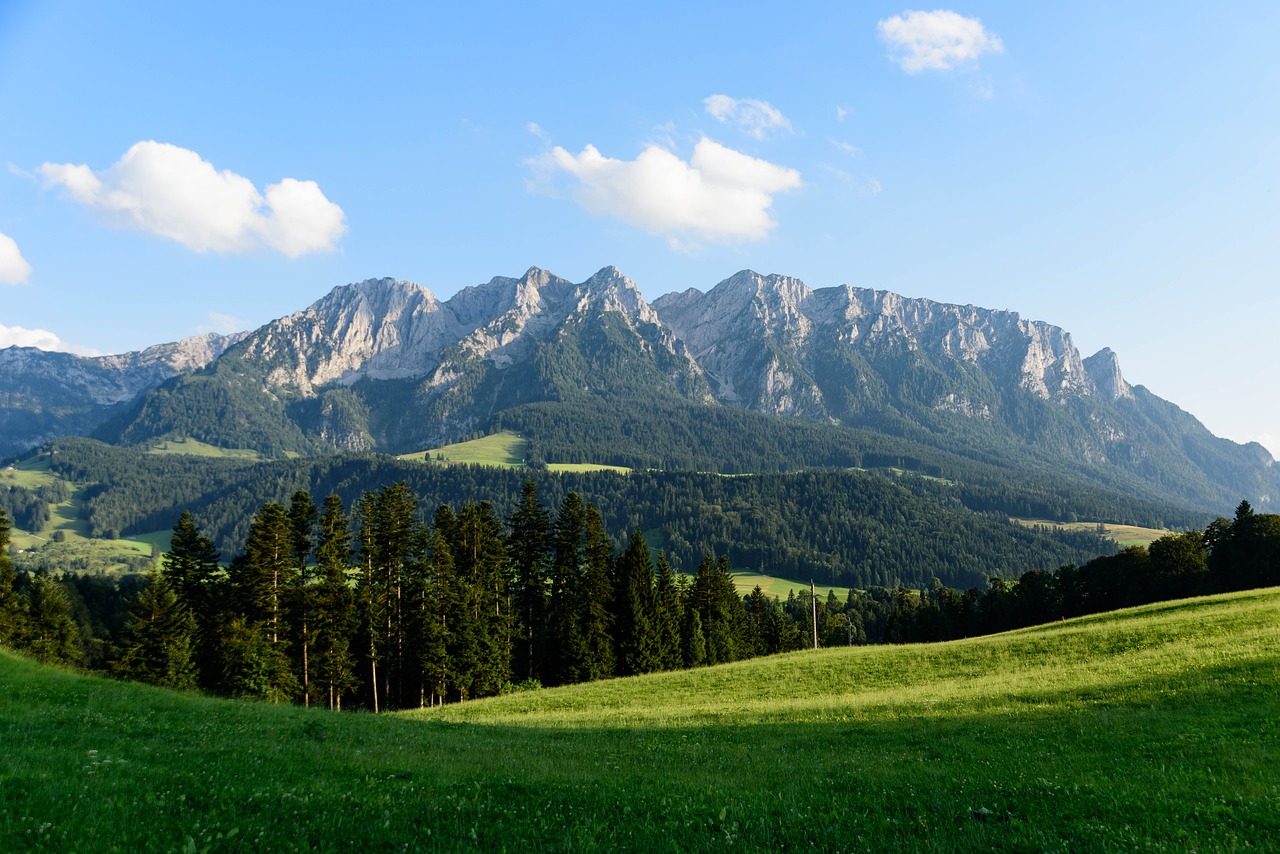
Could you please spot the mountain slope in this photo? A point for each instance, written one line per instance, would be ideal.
(384, 365)
(46, 395)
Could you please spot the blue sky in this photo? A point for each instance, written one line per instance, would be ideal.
(175, 168)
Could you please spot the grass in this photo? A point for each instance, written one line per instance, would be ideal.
(1124, 535)
(30, 473)
(195, 448)
(780, 587)
(505, 449)
(1151, 729)
(78, 548)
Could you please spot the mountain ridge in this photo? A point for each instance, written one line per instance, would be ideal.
(383, 364)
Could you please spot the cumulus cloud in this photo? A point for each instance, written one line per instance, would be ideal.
(719, 195)
(14, 269)
(936, 41)
(171, 191)
(755, 118)
(41, 339)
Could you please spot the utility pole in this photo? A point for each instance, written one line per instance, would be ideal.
(813, 600)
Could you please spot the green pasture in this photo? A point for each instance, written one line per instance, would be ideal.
(195, 448)
(779, 588)
(1124, 535)
(505, 449)
(30, 473)
(1154, 729)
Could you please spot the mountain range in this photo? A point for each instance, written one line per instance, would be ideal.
(693, 379)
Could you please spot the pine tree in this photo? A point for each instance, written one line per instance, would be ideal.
(436, 620)
(389, 540)
(635, 610)
(263, 578)
(303, 517)
(568, 571)
(528, 546)
(333, 607)
(12, 618)
(51, 633)
(159, 640)
(594, 657)
(480, 561)
(667, 616)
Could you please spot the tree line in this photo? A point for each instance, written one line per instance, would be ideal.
(376, 607)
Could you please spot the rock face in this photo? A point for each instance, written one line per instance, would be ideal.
(45, 395)
(383, 364)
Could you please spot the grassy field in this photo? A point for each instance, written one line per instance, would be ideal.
(77, 547)
(1124, 535)
(780, 587)
(1152, 729)
(195, 448)
(506, 449)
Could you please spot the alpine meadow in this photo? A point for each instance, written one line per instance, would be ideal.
(894, 539)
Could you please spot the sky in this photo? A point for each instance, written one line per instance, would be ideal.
(173, 169)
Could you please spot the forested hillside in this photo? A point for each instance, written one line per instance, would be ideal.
(850, 528)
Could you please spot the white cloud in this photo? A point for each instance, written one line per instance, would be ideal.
(223, 324)
(755, 118)
(842, 113)
(172, 192)
(41, 339)
(14, 269)
(936, 41)
(847, 148)
(719, 195)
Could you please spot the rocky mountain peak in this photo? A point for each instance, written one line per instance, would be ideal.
(1103, 368)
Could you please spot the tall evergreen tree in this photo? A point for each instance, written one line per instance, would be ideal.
(389, 540)
(303, 517)
(528, 547)
(51, 633)
(437, 617)
(667, 616)
(635, 610)
(12, 618)
(159, 640)
(594, 656)
(568, 572)
(263, 578)
(333, 608)
(480, 561)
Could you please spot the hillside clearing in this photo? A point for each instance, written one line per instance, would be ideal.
(505, 449)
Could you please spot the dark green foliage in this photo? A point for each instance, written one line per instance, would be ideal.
(51, 635)
(528, 549)
(333, 607)
(252, 666)
(847, 528)
(12, 617)
(639, 649)
(159, 642)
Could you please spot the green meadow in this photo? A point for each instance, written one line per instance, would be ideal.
(195, 448)
(1152, 729)
(1124, 535)
(64, 540)
(780, 588)
(506, 449)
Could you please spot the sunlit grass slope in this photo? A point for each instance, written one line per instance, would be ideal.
(505, 449)
(1151, 729)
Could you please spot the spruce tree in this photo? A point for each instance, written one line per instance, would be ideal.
(159, 641)
(12, 618)
(480, 561)
(303, 517)
(594, 655)
(51, 633)
(528, 546)
(667, 616)
(635, 617)
(333, 607)
(568, 571)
